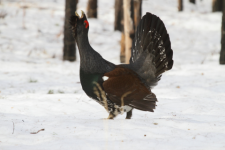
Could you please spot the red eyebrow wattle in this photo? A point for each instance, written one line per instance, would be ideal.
(87, 24)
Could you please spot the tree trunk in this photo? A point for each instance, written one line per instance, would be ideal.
(135, 15)
(92, 10)
(180, 5)
(222, 52)
(192, 1)
(118, 24)
(128, 28)
(69, 48)
(122, 48)
(137, 12)
(217, 5)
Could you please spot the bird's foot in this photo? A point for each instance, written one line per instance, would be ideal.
(111, 116)
(106, 119)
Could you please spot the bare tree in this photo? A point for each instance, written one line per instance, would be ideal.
(69, 48)
(137, 12)
(192, 1)
(180, 5)
(122, 48)
(128, 28)
(92, 10)
(118, 24)
(222, 52)
(135, 15)
(217, 5)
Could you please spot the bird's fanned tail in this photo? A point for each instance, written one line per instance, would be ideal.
(151, 53)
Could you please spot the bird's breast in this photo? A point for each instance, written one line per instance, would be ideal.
(89, 81)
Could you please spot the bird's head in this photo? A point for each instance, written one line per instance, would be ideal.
(79, 24)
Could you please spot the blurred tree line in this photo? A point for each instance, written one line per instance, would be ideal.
(127, 16)
(217, 5)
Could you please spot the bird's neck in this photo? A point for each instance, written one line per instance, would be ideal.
(90, 60)
(84, 46)
(87, 53)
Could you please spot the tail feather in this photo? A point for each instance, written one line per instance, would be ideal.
(143, 105)
(151, 51)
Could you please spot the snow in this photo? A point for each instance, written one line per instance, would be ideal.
(190, 113)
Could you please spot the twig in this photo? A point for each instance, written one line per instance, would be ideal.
(37, 131)
(203, 60)
(13, 127)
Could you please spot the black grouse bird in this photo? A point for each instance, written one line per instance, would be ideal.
(128, 85)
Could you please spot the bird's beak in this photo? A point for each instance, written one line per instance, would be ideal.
(82, 14)
(77, 14)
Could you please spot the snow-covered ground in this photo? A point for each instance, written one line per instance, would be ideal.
(191, 108)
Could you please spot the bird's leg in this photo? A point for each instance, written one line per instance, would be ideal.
(111, 116)
(129, 114)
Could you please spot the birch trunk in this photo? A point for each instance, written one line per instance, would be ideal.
(128, 29)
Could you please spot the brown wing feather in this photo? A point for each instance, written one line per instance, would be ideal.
(124, 87)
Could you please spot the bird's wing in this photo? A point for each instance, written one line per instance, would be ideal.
(151, 53)
(124, 87)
